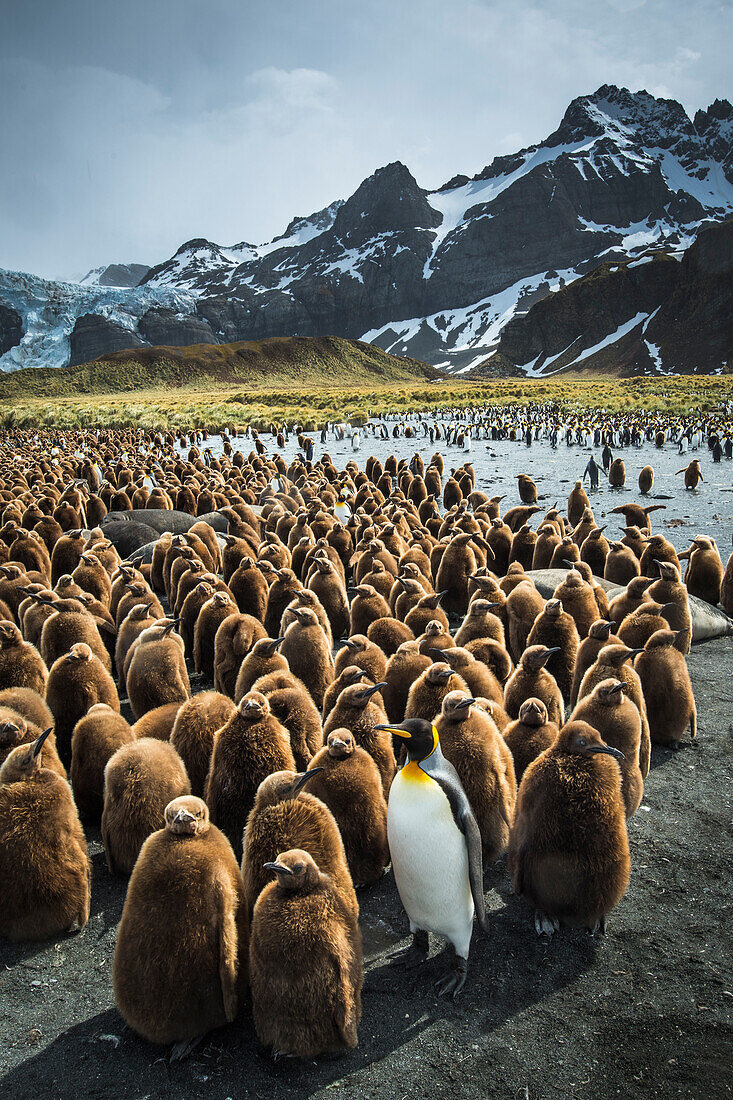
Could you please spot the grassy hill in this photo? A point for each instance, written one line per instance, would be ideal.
(280, 361)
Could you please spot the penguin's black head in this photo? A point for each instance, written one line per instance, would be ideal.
(420, 737)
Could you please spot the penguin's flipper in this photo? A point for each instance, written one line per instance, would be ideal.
(228, 948)
(475, 865)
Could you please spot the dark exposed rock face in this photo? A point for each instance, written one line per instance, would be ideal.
(684, 309)
(93, 336)
(123, 274)
(164, 327)
(587, 310)
(11, 328)
(694, 325)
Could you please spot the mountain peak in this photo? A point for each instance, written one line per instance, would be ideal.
(638, 115)
(390, 199)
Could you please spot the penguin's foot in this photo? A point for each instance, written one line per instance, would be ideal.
(454, 981)
(599, 928)
(544, 925)
(414, 955)
(181, 1050)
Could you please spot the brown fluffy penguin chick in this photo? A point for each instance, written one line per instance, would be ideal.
(21, 665)
(16, 730)
(524, 603)
(704, 575)
(529, 735)
(638, 627)
(577, 503)
(434, 637)
(693, 474)
(181, 957)
(457, 564)
(252, 745)
(306, 649)
(306, 598)
(568, 850)
(389, 634)
(621, 564)
(426, 609)
(427, 693)
(292, 705)
(578, 599)
(494, 656)
(70, 623)
(627, 601)
(669, 590)
(665, 681)
(232, 642)
(306, 967)
(75, 683)
(481, 621)
(262, 659)
(480, 679)
(29, 704)
(157, 723)
(44, 862)
(328, 586)
(157, 672)
(211, 616)
(284, 813)
(599, 636)
(197, 723)
(471, 742)
(617, 474)
(657, 549)
(366, 606)
(359, 650)
(555, 628)
(612, 663)
(97, 736)
(496, 712)
(726, 588)
(350, 785)
(140, 779)
(618, 722)
(403, 668)
(531, 680)
(350, 674)
(137, 619)
(357, 710)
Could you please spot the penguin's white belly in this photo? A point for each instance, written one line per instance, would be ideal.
(429, 859)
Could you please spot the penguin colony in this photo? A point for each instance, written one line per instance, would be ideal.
(378, 682)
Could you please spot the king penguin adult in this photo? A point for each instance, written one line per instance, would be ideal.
(435, 845)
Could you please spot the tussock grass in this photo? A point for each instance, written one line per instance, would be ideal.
(261, 405)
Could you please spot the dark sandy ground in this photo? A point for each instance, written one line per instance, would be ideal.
(643, 1012)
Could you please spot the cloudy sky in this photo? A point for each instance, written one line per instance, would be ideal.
(128, 128)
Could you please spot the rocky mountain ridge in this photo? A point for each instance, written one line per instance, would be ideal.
(435, 275)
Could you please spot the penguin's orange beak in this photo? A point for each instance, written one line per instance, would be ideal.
(395, 731)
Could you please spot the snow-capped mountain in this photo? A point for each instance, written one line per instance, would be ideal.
(115, 275)
(439, 275)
